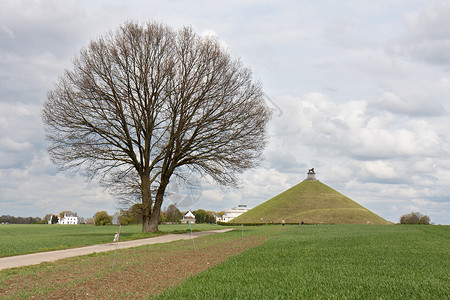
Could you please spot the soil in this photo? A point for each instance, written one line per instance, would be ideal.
(137, 274)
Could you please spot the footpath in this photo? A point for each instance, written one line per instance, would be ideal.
(37, 258)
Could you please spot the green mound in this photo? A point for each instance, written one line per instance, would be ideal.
(310, 202)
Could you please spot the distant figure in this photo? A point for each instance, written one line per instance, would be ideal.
(303, 223)
(116, 237)
(282, 222)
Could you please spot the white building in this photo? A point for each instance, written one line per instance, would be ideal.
(230, 214)
(188, 218)
(69, 218)
(218, 218)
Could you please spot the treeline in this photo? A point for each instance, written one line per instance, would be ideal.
(133, 215)
(203, 216)
(4, 219)
(171, 214)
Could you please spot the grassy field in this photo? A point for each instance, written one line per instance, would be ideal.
(137, 274)
(262, 262)
(21, 239)
(333, 262)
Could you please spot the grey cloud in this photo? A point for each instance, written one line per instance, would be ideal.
(28, 193)
(428, 35)
(417, 104)
(6, 33)
(21, 134)
(10, 145)
(283, 160)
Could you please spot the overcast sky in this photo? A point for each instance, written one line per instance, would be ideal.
(360, 91)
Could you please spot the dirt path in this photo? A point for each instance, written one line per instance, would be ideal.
(37, 258)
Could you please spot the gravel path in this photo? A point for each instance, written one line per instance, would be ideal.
(37, 258)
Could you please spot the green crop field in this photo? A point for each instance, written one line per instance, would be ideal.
(254, 262)
(332, 262)
(21, 239)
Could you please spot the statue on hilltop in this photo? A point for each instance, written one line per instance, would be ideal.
(311, 175)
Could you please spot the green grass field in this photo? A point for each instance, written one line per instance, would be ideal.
(22, 239)
(290, 262)
(332, 262)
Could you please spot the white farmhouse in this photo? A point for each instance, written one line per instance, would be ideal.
(230, 214)
(188, 218)
(69, 218)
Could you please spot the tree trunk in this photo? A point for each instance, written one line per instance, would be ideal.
(146, 205)
(146, 225)
(153, 221)
(151, 216)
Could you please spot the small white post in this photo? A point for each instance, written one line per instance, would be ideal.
(116, 239)
(190, 234)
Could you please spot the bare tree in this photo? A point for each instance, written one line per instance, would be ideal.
(173, 213)
(415, 218)
(144, 101)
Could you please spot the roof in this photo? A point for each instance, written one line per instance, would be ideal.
(188, 215)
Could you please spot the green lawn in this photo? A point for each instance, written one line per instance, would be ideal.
(21, 239)
(332, 262)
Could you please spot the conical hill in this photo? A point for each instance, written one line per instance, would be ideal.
(310, 202)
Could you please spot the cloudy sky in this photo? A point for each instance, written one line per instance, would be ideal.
(360, 91)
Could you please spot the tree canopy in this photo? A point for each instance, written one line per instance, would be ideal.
(415, 218)
(144, 102)
(102, 218)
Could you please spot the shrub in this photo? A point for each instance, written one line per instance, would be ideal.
(415, 218)
(102, 218)
(424, 220)
(54, 219)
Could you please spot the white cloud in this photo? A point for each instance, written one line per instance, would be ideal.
(420, 105)
(352, 129)
(9, 145)
(379, 169)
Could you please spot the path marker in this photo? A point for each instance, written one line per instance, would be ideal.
(116, 239)
(190, 234)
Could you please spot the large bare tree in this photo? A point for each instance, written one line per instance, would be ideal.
(144, 101)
